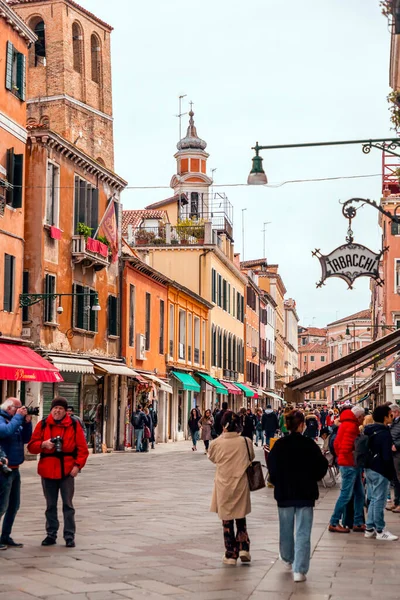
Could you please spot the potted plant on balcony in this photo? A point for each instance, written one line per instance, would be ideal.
(84, 230)
(191, 228)
(144, 237)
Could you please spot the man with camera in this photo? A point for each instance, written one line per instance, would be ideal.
(15, 431)
(63, 450)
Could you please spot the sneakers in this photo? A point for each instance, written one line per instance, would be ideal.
(338, 529)
(370, 533)
(286, 563)
(386, 536)
(10, 542)
(48, 541)
(229, 561)
(359, 528)
(3, 547)
(244, 556)
(299, 577)
(390, 506)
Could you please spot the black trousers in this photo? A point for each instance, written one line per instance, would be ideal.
(51, 488)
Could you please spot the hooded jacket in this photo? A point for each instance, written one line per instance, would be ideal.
(380, 445)
(270, 421)
(14, 433)
(74, 447)
(344, 443)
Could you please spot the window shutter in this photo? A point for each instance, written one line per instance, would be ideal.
(7, 281)
(9, 60)
(94, 315)
(94, 220)
(21, 79)
(82, 203)
(10, 174)
(111, 309)
(18, 180)
(131, 315)
(86, 308)
(213, 285)
(76, 204)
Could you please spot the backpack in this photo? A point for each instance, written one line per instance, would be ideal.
(137, 420)
(331, 443)
(363, 453)
(74, 423)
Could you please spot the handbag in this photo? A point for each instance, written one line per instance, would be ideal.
(254, 473)
(147, 433)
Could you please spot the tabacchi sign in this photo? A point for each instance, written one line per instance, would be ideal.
(349, 262)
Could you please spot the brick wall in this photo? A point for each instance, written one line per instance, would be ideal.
(58, 77)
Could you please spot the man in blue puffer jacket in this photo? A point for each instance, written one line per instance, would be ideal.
(15, 431)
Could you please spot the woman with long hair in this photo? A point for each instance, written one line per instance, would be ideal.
(206, 422)
(232, 454)
(295, 466)
(194, 427)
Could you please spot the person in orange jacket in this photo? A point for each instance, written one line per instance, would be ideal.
(63, 453)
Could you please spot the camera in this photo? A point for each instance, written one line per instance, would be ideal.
(33, 410)
(3, 467)
(58, 443)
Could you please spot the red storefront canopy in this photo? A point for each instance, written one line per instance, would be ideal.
(231, 387)
(18, 363)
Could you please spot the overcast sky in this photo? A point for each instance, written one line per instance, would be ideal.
(267, 70)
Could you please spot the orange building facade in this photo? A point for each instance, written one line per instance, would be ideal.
(15, 38)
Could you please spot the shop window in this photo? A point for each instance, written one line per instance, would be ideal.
(53, 193)
(77, 47)
(49, 303)
(15, 72)
(15, 170)
(9, 283)
(95, 53)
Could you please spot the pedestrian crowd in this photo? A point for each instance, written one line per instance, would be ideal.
(144, 422)
(364, 448)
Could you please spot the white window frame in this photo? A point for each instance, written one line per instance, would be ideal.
(56, 201)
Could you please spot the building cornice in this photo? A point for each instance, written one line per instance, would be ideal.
(64, 147)
(17, 23)
(72, 100)
(13, 127)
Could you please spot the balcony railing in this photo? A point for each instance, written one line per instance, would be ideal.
(168, 235)
(89, 254)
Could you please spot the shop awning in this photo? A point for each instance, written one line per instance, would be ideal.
(275, 396)
(231, 387)
(345, 367)
(18, 363)
(117, 369)
(71, 365)
(219, 388)
(246, 390)
(164, 386)
(187, 381)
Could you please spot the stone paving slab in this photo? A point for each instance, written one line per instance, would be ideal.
(145, 533)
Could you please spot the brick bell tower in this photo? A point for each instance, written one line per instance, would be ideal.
(69, 75)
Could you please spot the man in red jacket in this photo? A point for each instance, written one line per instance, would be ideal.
(349, 430)
(63, 453)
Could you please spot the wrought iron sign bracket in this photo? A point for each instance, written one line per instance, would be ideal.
(31, 299)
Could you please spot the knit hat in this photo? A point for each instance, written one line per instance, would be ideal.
(59, 402)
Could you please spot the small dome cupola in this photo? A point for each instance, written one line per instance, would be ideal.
(191, 141)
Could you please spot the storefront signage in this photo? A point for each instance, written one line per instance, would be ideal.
(349, 262)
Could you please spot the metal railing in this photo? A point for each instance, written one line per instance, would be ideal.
(167, 235)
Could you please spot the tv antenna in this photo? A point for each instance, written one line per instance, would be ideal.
(180, 115)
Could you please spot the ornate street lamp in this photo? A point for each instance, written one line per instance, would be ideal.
(257, 174)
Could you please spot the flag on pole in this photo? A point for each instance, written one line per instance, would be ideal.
(110, 229)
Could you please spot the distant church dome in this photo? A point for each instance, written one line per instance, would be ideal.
(191, 141)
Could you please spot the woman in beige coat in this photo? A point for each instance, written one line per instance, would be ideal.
(232, 454)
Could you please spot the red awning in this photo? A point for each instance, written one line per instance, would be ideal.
(18, 363)
(256, 396)
(231, 387)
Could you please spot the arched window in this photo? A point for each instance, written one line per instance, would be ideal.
(40, 44)
(230, 352)
(95, 53)
(77, 47)
(225, 359)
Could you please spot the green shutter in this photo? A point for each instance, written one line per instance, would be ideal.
(94, 217)
(21, 79)
(94, 315)
(9, 64)
(76, 205)
(48, 395)
(18, 180)
(10, 175)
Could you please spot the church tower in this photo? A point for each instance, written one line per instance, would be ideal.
(191, 179)
(69, 75)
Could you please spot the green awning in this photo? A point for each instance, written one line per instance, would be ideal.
(247, 391)
(187, 381)
(220, 389)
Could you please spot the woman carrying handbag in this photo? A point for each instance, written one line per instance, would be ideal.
(295, 466)
(233, 455)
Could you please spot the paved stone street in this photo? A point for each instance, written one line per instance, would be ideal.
(145, 533)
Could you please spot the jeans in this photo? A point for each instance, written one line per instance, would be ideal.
(351, 484)
(235, 543)
(51, 487)
(378, 488)
(10, 496)
(195, 437)
(259, 436)
(296, 551)
(139, 438)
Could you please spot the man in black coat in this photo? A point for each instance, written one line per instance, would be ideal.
(269, 424)
(218, 418)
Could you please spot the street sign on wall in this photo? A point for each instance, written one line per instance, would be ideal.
(349, 262)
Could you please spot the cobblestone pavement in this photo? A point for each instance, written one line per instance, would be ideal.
(145, 533)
